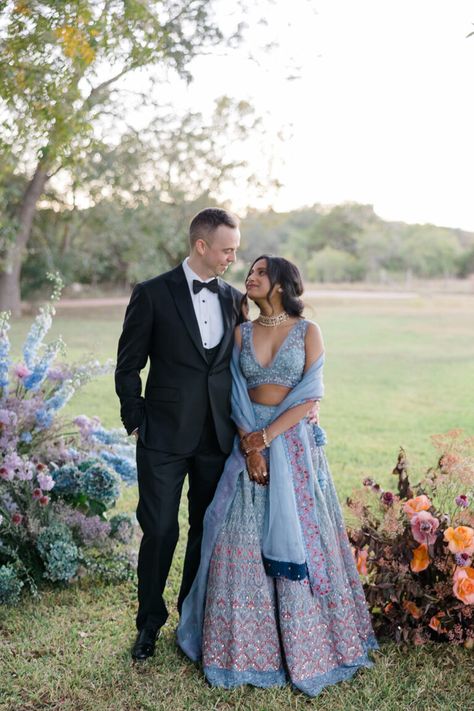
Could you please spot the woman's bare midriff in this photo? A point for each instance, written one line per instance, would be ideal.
(268, 394)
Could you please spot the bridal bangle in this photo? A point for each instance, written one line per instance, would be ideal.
(265, 438)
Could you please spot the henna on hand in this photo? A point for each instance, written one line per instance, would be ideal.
(253, 442)
(257, 468)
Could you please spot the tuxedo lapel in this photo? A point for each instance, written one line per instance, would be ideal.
(226, 302)
(180, 292)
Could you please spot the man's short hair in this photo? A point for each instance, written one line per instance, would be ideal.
(208, 220)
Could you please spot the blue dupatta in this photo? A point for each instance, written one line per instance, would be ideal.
(291, 545)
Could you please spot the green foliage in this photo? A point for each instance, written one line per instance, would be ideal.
(53, 52)
(329, 264)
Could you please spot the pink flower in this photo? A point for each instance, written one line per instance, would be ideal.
(45, 481)
(37, 493)
(44, 500)
(17, 519)
(21, 371)
(424, 527)
(6, 474)
(462, 501)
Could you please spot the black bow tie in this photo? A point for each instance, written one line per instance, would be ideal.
(211, 285)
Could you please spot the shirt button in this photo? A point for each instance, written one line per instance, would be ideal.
(205, 321)
(204, 301)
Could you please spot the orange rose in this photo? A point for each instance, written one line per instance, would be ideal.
(435, 623)
(460, 539)
(362, 562)
(412, 609)
(463, 586)
(421, 559)
(419, 503)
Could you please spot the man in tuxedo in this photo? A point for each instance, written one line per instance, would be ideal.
(182, 322)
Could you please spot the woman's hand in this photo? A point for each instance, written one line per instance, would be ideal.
(252, 442)
(313, 414)
(257, 468)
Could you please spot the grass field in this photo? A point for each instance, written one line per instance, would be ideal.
(396, 373)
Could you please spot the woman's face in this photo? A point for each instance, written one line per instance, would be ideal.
(258, 283)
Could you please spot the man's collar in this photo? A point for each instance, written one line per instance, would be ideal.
(191, 275)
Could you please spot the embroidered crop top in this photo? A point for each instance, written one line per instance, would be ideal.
(286, 367)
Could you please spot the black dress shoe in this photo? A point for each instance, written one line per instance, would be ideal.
(144, 646)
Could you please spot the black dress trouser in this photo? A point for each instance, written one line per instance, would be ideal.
(160, 481)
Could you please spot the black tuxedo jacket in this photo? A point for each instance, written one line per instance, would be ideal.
(160, 325)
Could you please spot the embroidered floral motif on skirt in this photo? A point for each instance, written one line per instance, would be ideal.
(266, 631)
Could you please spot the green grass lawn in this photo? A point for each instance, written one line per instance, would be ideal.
(396, 373)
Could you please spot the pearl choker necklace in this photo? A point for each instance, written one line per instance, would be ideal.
(272, 321)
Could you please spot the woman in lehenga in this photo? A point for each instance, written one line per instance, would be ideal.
(277, 597)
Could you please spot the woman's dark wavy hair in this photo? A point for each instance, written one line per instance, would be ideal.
(281, 271)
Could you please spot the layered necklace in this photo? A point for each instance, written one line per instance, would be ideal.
(272, 321)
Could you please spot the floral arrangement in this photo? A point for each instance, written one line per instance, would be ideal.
(57, 483)
(415, 548)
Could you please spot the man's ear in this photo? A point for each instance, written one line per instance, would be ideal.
(200, 246)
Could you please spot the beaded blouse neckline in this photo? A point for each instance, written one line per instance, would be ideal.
(254, 353)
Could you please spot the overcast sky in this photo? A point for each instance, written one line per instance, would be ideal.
(379, 97)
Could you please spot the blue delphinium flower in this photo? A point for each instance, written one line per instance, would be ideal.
(39, 329)
(125, 467)
(39, 370)
(4, 349)
(26, 437)
(62, 395)
(105, 436)
(44, 419)
(41, 324)
(10, 585)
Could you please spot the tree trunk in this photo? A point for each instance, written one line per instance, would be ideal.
(10, 298)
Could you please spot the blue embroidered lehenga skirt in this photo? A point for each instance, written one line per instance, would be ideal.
(266, 631)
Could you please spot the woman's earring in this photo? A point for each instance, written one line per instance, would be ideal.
(280, 290)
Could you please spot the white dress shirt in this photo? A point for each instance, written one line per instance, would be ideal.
(207, 309)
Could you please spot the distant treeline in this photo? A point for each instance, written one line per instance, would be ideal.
(107, 246)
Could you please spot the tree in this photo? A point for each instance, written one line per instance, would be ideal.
(60, 66)
(143, 192)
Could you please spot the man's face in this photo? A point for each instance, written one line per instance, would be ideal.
(218, 251)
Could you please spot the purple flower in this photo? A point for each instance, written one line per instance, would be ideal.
(26, 472)
(8, 417)
(368, 481)
(462, 501)
(58, 374)
(387, 498)
(462, 559)
(8, 503)
(14, 466)
(45, 481)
